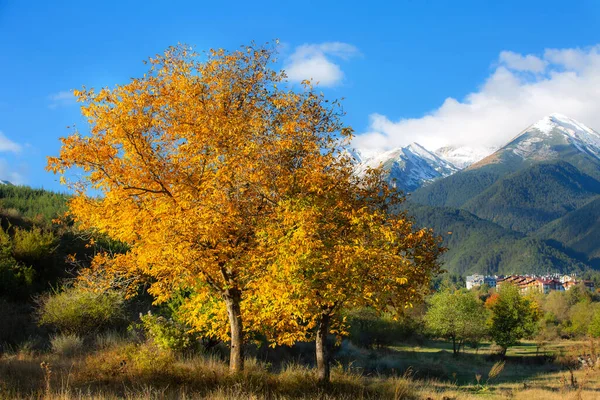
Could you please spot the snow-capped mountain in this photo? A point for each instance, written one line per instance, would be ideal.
(408, 168)
(554, 130)
(551, 138)
(463, 156)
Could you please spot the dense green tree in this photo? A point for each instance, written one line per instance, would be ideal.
(514, 317)
(458, 316)
(557, 305)
(39, 205)
(578, 294)
(580, 316)
(594, 327)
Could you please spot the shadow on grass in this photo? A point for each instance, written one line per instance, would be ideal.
(434, 361)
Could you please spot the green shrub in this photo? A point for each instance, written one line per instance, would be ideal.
(15, 279)
(168, 334)
(594, 327)
(34, 244)
(66, 345)
(78, 311)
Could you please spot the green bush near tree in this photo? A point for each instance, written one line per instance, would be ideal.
(167, 333)
(78, 311)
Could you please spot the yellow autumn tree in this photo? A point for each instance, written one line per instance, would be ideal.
(344, 245)
(189, 165)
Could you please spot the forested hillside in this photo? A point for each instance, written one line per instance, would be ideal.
(530, 198)
(479, 246)
(33, 250)
(529, 207)
(579, 230)
(32, 204)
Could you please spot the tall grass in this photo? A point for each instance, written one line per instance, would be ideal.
(117, 368)
(66, 345)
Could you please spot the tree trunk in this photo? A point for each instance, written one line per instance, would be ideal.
(322, 353)
(236, 359)
(454, 345)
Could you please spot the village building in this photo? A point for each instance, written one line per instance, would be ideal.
(542, 284)
(477, 280)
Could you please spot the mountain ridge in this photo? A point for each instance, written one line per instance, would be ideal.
(407, 168)
(543, 184)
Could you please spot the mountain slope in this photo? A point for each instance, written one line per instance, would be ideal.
(553, 138)
(534, 196)
(455, 190)
(579, 230)
(479, 246)
(531, 206)
(407, 168)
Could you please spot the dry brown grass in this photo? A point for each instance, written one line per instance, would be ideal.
(130, 371)
(146, 372)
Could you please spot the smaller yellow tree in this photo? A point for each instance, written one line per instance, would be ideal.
(346, 244)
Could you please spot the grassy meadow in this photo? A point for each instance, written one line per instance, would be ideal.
(113, 366)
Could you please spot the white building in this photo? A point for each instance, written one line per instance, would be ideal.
(474, 281)
(477, 280)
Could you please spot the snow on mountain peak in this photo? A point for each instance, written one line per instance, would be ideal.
(568, 125)
(464, 156)
(579, 135)
(407, 167)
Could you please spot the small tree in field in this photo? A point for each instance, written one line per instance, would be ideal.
(514, 317)
(193, 161)
(458, 316)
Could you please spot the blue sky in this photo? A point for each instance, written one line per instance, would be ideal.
(437, 72)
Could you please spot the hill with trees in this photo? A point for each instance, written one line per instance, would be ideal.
(476, 245)
(541, 187)
(578, 230)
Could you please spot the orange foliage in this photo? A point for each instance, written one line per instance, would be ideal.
(225, 184)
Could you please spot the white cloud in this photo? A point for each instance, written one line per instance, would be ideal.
(518, 62)
(7, 145)
(62, 98)
(314, 61)
(520, 91)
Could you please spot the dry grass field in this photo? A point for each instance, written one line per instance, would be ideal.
(115, 369)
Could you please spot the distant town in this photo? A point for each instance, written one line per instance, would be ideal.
(529, 283)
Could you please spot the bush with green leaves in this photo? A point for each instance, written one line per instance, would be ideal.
(33, 244)
(78, 311)
(167, 333)
(594, 327)
(15, 279)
